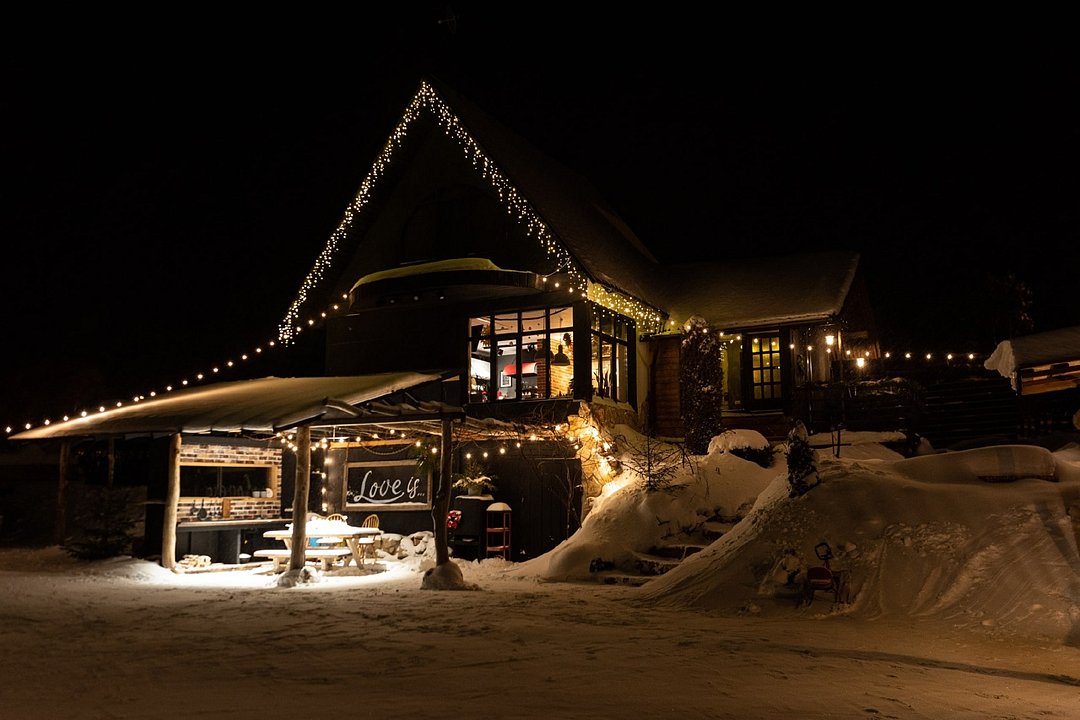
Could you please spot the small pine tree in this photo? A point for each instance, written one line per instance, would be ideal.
(701, 384)
(104, 526)
(800, 462)
(656, 462)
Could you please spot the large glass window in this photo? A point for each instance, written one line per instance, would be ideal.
(611, 355)
(521, 355)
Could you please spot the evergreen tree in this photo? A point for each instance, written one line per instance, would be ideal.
(802, 472)
(701, 384)
(654, 461)
(103, 524)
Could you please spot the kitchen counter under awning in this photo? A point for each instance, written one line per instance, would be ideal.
(268, 405)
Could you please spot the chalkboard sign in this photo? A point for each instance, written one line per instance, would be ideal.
(387, 485)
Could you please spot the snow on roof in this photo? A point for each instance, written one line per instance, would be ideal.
(451, 265)
(261, 405)
(754, 292)
(1035, 349)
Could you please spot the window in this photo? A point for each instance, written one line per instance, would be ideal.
(521, 355)
(222, 480)
(611, 355)
(765, 367)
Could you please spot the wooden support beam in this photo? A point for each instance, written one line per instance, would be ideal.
(168, 529)
(440, 508)
(300, 497)
(60, 523)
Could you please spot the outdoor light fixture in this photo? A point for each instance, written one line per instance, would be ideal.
(829, 340)
(560, 358)
(860, 362)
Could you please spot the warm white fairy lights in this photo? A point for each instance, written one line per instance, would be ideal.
(648, 319)
(215, 370)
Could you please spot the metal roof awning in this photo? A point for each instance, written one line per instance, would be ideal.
(1040, 362)
(265, 405)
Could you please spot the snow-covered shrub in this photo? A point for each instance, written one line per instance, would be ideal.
(746, 444)
(802, 471)
(761, 456)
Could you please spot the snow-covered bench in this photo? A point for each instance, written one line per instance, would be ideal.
(326, 556)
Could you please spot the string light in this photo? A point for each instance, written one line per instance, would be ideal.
(605, 300)
(517, 206)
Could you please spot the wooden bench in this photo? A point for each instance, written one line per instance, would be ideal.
(326, 556)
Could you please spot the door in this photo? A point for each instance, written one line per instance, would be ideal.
(763, 371)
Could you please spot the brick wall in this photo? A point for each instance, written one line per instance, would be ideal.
(229, 455)
(234, 508)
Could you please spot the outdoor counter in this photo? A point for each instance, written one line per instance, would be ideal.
(224, 541)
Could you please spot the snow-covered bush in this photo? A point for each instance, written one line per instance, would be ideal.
(746, 444)
(802, 471)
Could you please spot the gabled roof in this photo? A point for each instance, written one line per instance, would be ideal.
(265, 405)
(560, 205)
(762, 291)
(577, 216)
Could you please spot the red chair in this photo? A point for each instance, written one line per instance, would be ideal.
(822, 577)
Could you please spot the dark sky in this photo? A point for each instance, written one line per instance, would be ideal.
(168, 188)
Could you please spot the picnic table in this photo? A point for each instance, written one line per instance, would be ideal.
(326, 541)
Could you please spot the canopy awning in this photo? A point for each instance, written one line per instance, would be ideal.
(267, 405)
(1040, 362)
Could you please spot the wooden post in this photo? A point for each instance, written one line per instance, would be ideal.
(60, 523)
(110, 476)
(172, 497)
(300, 497)
(440, 508)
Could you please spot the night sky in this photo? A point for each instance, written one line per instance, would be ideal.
(167, 192)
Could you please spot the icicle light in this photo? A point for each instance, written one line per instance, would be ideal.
(515, 203)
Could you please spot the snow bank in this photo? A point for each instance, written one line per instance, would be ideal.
(920, 539)
(628, 520)
(998, 463)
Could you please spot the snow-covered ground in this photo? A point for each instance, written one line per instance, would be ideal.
(962, 575)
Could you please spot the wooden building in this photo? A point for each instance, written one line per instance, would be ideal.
(469, 255)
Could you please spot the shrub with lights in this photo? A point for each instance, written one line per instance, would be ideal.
(701, 384)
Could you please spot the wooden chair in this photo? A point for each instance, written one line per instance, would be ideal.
(368, 541)
(334, 542)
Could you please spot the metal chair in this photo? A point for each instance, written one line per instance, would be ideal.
(823, 577)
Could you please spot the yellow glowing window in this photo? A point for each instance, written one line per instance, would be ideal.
(765, 367)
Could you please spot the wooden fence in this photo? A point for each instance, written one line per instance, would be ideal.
(946, 411)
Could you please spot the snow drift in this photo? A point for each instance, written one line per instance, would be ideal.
(984, 538)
